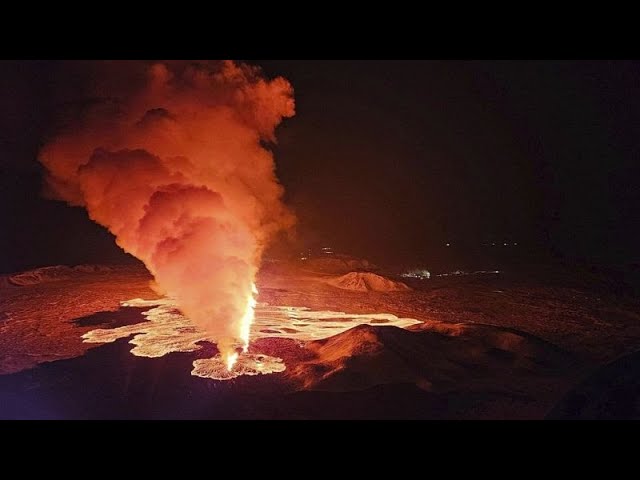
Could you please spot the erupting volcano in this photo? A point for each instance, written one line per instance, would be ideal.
(171, 158)
(458, 252)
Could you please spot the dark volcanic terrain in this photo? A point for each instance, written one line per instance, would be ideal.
(509, 345)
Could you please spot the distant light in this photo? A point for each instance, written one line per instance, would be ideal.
(516, 244)
(421, 274)
(494, 244)
(462, 272)
(448, 244)
(506, 244)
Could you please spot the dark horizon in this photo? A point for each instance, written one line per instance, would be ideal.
(392, 160)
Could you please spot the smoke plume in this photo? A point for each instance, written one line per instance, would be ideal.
(170, 158)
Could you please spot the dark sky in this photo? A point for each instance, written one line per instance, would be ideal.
(392, 159)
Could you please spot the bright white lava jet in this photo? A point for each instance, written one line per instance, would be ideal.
(231, 360)
(245, 326)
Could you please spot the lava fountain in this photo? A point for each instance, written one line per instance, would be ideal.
(245, 328)
(172, 157)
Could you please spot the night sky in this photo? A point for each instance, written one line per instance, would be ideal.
(391, 160)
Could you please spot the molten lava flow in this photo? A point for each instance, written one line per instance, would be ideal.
(167, 330)
(171, 158)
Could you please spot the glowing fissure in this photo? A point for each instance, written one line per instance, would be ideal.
(167, 330)
(170, 157)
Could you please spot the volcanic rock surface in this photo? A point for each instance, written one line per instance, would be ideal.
(435, 358)
(337, 264)
(53, 274)
(612, 392)
(367, 282)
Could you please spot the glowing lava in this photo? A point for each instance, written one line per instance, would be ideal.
(245, 327)
(231, 360)
(168, 330)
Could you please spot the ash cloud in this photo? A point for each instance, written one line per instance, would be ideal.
(170, 157)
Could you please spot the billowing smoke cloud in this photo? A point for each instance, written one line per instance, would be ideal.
(170, 157)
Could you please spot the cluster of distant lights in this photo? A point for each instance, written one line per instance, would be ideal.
(461, 272)
(309, 253)
(426, 274)
(493, 244)
(421, 274)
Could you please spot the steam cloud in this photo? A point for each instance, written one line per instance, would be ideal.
(170, 158)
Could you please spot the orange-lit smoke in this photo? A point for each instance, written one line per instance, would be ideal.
(170, 158)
